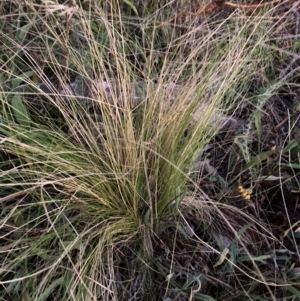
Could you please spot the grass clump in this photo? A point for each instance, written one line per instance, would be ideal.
(106, 120)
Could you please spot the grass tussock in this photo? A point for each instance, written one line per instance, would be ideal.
(123, 144)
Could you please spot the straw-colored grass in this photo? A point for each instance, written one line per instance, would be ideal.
(96, 163)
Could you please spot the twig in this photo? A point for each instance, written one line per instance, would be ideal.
(213, 5)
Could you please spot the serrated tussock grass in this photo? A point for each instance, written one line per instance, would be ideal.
(91, 177)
